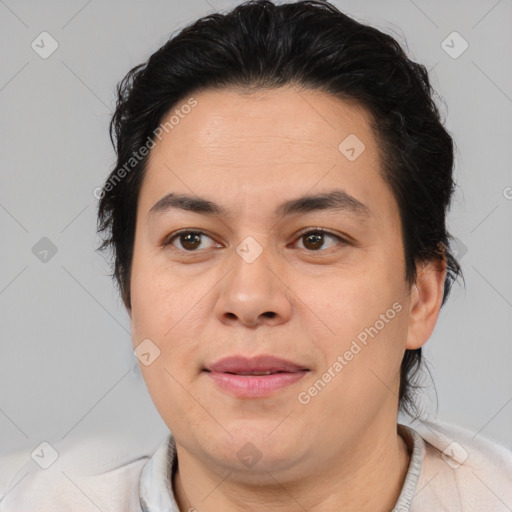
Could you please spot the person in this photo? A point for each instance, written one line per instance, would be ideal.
(277, 215)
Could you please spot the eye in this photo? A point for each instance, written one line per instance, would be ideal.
(189, 240)
(314, 239)
(192, 241)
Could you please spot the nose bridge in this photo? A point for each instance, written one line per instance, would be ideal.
(252, 292)
(251, 263)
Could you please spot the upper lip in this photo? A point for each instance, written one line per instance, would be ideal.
(260, 363)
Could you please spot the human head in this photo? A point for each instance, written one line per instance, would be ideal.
(260, 46)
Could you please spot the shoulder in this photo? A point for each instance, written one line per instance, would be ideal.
(97, 472)
(462, 470)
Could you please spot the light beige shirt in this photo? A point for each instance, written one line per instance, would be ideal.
(450, 469)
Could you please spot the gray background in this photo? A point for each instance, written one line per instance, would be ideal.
(67, 370)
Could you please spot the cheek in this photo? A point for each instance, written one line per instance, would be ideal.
(159, 313)
(361, 365)
(352, 301)
(154, 308)
(168, 391)
(363, 321)
(169, 312)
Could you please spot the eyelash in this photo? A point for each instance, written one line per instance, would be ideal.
(168, 241)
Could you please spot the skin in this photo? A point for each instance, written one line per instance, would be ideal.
(249, 153)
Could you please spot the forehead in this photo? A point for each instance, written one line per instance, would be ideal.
(264, 146)
(286, 124)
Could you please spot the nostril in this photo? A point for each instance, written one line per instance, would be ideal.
(269, 314)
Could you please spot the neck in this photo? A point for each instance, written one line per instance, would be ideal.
(369, 477)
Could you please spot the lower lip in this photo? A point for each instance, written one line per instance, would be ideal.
(247, 386)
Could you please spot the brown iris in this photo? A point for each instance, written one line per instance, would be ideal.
(190, 241)
(316, 240)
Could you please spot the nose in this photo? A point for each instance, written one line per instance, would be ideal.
(254, 293)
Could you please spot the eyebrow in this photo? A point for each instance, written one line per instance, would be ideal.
(335, 200)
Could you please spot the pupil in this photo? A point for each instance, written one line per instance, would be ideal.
(317, 240)
(190, 240)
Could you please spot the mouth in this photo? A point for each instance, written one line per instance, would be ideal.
(253, 374)
(254, 377)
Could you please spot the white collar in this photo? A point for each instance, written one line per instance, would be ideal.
(155, 490)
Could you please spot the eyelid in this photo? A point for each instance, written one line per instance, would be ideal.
(169, 239)
(324, 231)
(344, 240)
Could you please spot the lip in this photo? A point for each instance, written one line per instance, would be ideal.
(260, 363)
(231, 374)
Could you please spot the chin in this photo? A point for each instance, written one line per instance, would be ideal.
(257, 447)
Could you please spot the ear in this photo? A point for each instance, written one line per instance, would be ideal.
(126, 297)
(127, 308)
(425, 303)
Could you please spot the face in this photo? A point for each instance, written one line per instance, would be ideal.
(316, 284)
